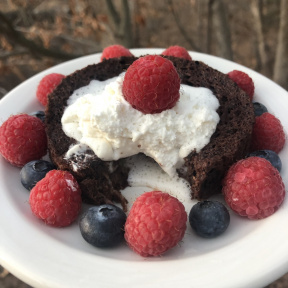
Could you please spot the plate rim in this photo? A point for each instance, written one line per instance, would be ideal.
(39, 281)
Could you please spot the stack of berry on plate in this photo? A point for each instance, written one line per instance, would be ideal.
(252, 187)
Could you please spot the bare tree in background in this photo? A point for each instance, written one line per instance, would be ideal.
(281, 63)
(217, 24)
(181, 26)
(36, 34)
(121, 23)
(7, 28)
(221, 28)
(201, 29)
(260, 47)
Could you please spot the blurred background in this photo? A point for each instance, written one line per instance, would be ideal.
(38, 34)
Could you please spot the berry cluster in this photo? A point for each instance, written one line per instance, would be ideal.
(253, 187)
(55, 196)
(151, 84)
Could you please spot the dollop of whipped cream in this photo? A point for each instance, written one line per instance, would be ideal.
(98, 116)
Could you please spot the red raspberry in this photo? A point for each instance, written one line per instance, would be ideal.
(177, 51)
(47, 85)
(22, 139)
(243, 81)
(115, 51)
(253, 188)
(156, 223)
(151, 84)
(268, 133)
(56, 199)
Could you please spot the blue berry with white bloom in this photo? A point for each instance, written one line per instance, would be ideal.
(39, 114)
(259, 109)
(209, 218)
(34, 171)
(103, 226)
(269, 155)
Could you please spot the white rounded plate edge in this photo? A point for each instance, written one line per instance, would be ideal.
(39, 255)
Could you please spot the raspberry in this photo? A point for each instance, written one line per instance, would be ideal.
(151, 84)
(243, 81)
(156, 223)
(47, 85)
(115, 51)
(56, 199)
(177, 51)
(253, 188)
(22, 139)
(268, 133)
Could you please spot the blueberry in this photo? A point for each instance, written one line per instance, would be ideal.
(259, 108)
(39, 114)
(103, 226)
(269, 155)
(34, 171)
(209, 218)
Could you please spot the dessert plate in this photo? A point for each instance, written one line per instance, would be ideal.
(248, 254)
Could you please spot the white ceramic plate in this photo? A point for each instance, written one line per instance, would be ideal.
(248, 254)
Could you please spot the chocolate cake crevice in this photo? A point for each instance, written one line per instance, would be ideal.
(231, 140)
(102, 181)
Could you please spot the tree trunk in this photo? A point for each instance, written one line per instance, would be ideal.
(182, 28)
(260, 49)
(281, 62)
(201, 6)
(222, 30)
(209, 27)
(122, 27)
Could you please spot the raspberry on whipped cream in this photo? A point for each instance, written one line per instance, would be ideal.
(99, 117)
(151, 84)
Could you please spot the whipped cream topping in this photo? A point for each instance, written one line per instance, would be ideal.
(98, 116)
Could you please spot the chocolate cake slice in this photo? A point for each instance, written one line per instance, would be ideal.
(231, 140)
(101, 181)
